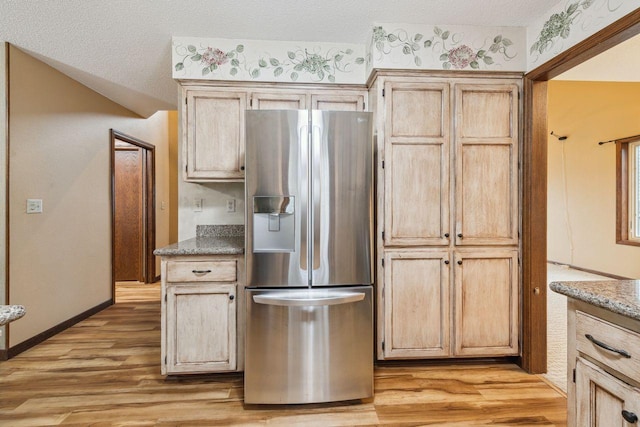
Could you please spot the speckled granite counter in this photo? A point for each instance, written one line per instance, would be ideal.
(618, 296)
(9, 313)
(209, 240)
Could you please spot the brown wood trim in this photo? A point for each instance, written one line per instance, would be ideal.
(445, 361)
(42, 336)
(622, 191)
(534, 213)
(7, 102)
(534, 228)
(587, 270)
(617, 32)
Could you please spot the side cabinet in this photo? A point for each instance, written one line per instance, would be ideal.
(201, 301)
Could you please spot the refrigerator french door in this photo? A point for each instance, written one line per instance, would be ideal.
(309, 237)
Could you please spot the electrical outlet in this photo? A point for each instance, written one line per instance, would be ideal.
(231, 205)
(197, 205)
(34, 206)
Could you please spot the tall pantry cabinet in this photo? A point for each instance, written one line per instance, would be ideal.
(448, 214)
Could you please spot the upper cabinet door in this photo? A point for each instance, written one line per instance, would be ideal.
(486, 144)
(214, 148)
(416, 164)
(281, 100)
(337, 101)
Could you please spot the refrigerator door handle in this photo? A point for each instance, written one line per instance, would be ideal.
(304, 299)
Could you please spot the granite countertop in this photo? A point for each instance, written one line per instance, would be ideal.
(9, 313)
(618, 296)
(209, 240)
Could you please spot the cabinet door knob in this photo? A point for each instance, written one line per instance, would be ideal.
(241, 168)
(232, 297)
(446, 261)
(460, 235)
(446, 235)
(460, 262)
(629, 417)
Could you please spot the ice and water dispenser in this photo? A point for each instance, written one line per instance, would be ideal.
(273, 224)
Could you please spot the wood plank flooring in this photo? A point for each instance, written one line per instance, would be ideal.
(105, 371)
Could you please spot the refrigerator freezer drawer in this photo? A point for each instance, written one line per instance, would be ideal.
(307, 346)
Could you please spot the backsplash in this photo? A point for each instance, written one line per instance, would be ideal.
(219, 230)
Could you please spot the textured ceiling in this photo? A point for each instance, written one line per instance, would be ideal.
(121, 48)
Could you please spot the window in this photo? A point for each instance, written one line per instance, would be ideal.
(628, 191)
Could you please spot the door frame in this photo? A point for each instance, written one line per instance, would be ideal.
(149, 202)
(534, 212)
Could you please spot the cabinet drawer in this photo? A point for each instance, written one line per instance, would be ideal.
(201, 271)
(612, 336)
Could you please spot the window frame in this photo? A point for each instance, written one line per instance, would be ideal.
(624, 186)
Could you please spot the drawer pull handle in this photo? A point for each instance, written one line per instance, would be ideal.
(200, 271)
(607, 346)
(629, 417)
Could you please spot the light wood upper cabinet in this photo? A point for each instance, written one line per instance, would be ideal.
(486, 156)
(331, 101)
(213, 145)
(486, 302)
(279, 100)
(417, 304)
(201, 328)
(416, 164)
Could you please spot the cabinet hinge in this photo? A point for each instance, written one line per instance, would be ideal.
(251, 102)
(165, 360)
(383, 235)
(519, 165)
(382, 92)
(165, 297)
(185, 101)
(383, 262)
(382, 345)
(364, 106)
(518, 94)
(574, 375)
(383, 164)
(186, 167)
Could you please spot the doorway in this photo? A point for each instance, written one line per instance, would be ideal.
(133, 209)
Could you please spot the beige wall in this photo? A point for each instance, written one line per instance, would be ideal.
(60, 260)
(581, 220)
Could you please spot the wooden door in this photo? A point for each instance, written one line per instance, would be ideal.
(601, 399)
(416, 164)
(214, 135)
(129, 212)
(486, 302)
(333, 101)
(201, 328)
(486, 143)
(416, 300)
(280, 100)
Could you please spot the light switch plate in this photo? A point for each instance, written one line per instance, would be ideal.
(34, 206)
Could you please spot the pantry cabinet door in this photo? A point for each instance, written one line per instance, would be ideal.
(416, 301)
(416, 159)
(486, 158)
(486, 302)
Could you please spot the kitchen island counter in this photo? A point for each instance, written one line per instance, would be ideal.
(618, 296)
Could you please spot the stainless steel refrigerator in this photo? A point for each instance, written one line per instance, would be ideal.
(309, 236)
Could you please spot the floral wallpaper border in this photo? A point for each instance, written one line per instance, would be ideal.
(570, 22)
(447, 47)
(256, 60)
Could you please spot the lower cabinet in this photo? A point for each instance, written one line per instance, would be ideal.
(201, 301)
(441, 303)
(201, 328)
(602, 399)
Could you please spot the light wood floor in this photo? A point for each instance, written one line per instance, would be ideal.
(105, 371)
